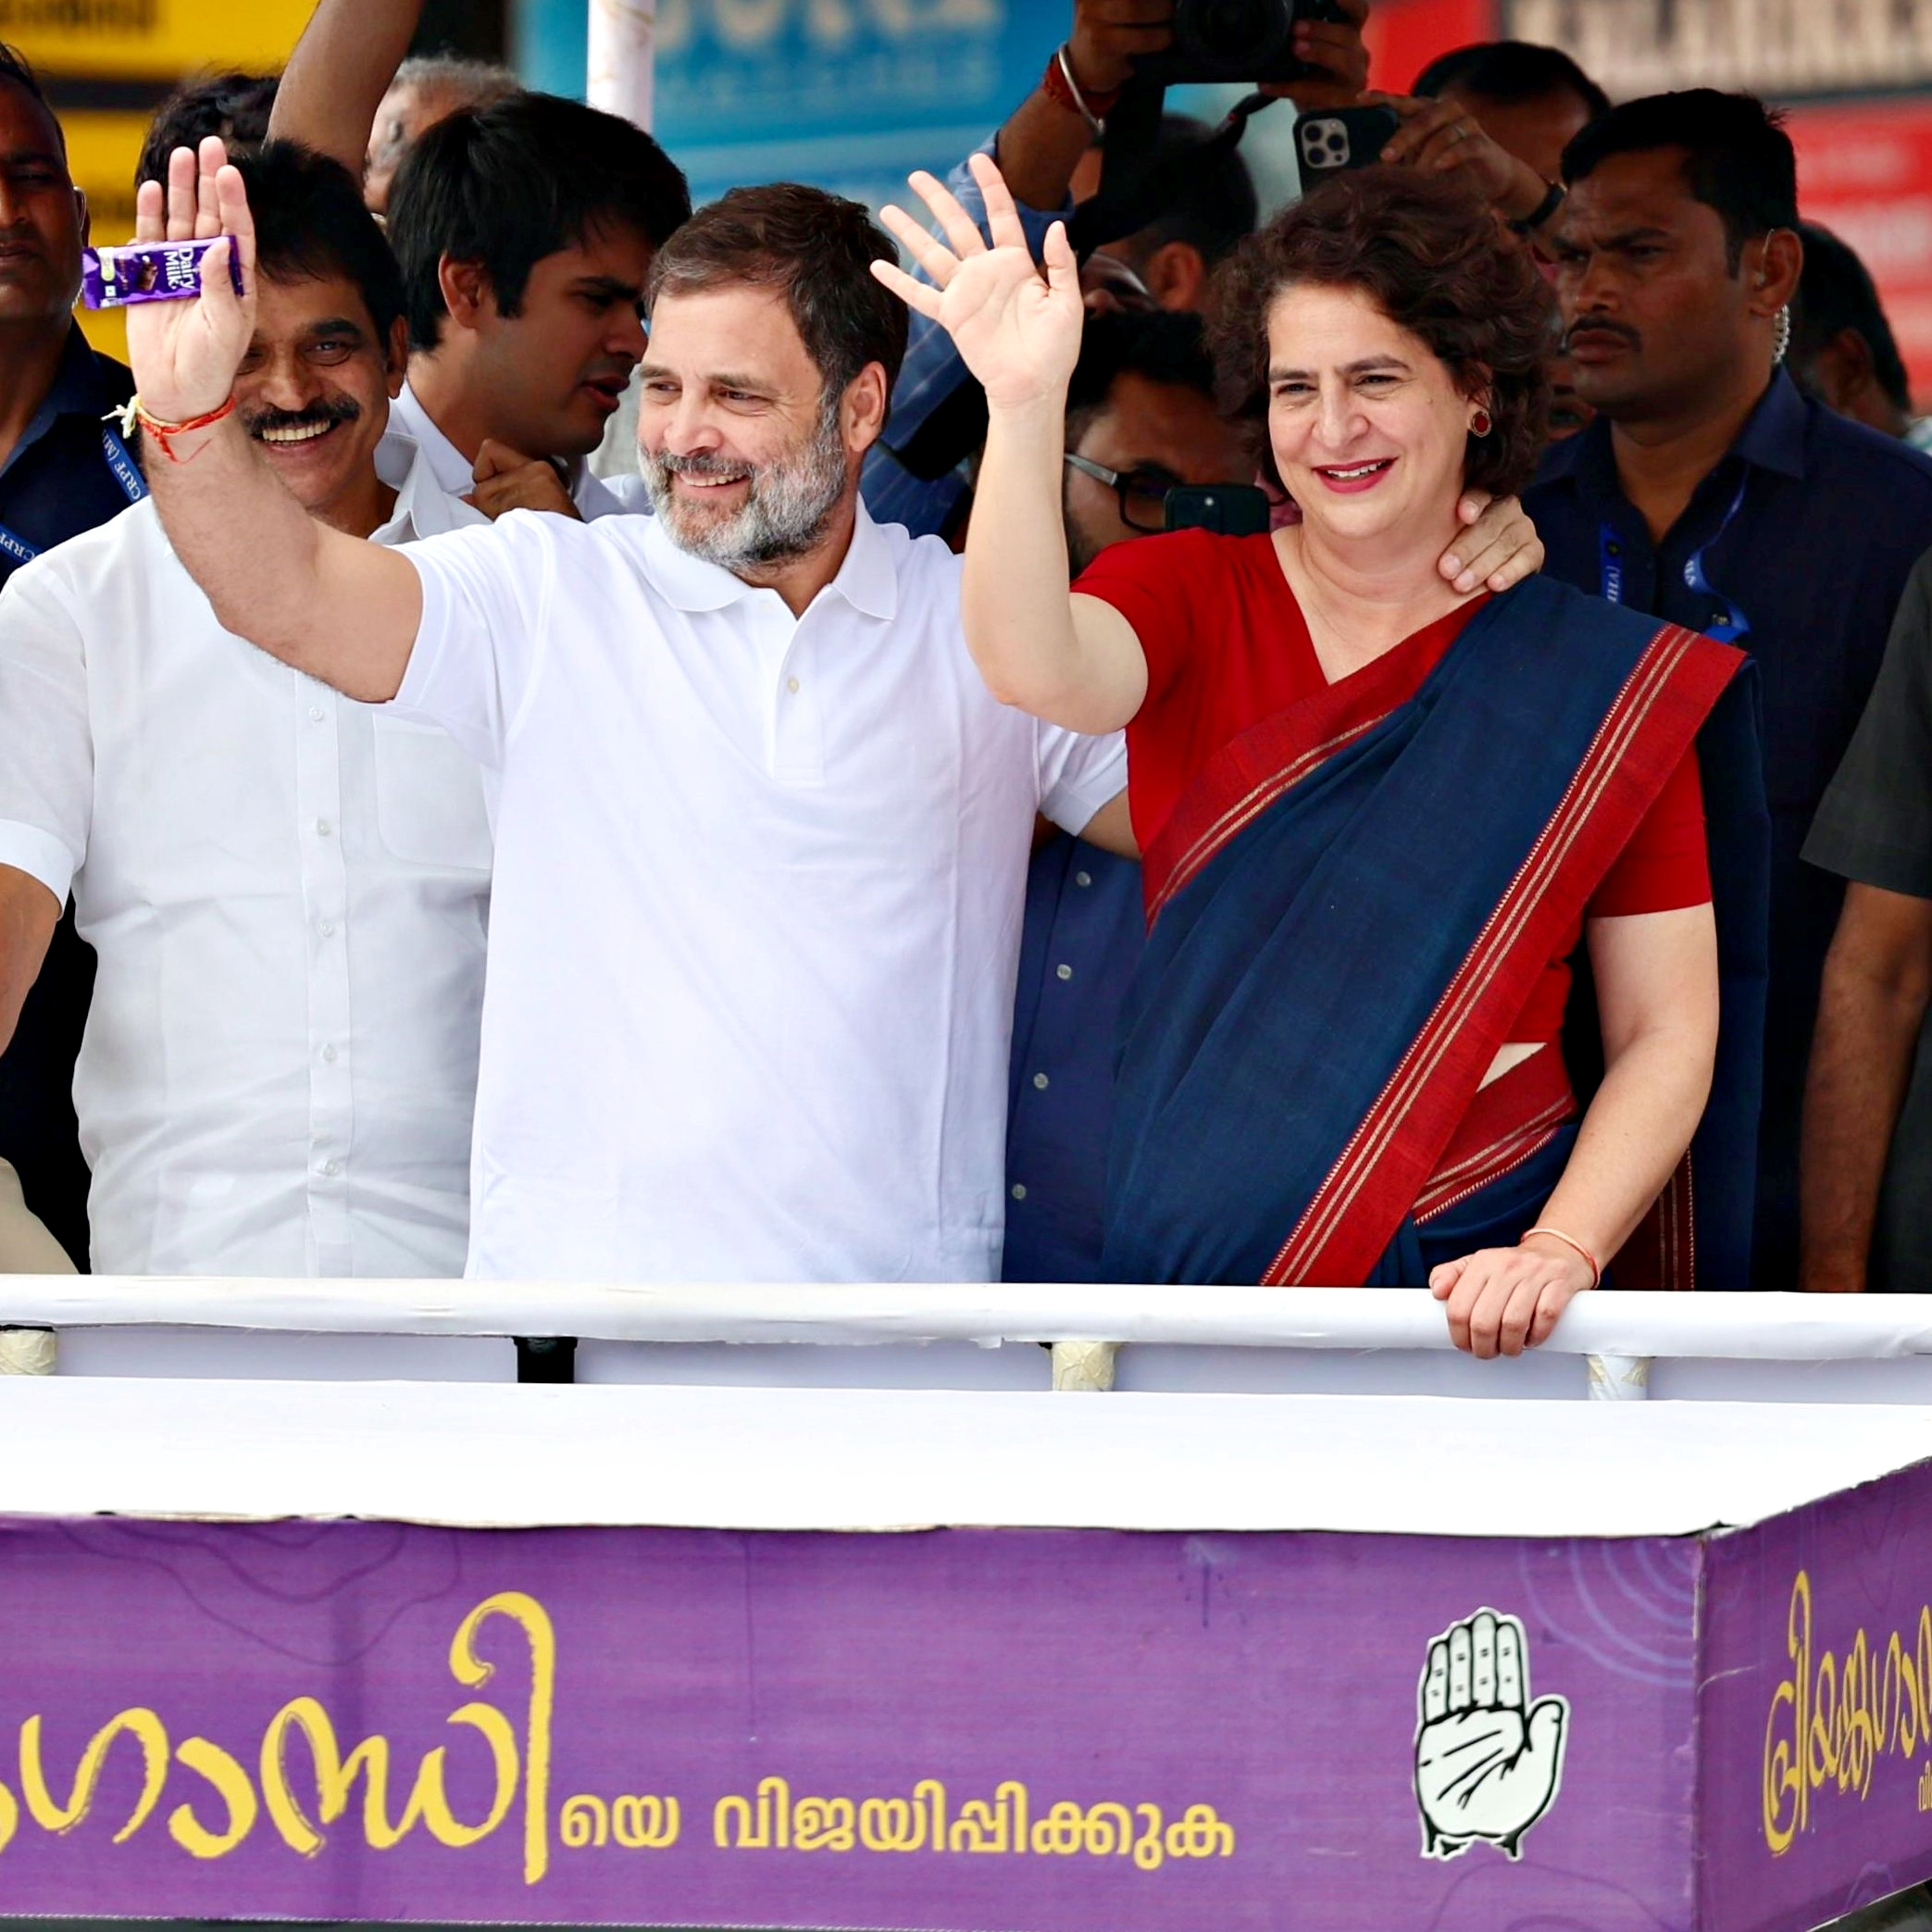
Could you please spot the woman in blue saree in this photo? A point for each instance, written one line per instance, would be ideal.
(1379, 807)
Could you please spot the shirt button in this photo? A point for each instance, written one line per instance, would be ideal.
(315, 714)
(1039, 1081)
(323, 829)
(327, 929)
(1083, 879)
(792, 685)
(1019, 1191)
(329, 1054)
(1062, 972)
(330, 1169)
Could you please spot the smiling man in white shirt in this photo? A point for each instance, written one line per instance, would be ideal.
(287, 891)
(762, 836)
(525, 231)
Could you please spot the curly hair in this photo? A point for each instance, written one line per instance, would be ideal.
(1434, 259)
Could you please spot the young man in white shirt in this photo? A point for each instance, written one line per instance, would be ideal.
(525, 231)
(287, 891)
(761, 835)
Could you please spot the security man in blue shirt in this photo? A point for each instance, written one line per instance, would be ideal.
(63, 469)
(1710, 491)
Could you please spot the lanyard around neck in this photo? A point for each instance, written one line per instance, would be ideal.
(120, 466)
(1731, 626)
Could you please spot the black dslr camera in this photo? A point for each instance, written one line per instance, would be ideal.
(1235, 40)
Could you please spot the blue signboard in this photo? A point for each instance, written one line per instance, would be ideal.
(849, 94)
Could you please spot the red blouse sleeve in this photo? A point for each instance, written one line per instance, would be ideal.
(1156, 584)
(1667, 864)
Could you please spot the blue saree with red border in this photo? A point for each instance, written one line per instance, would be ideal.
(1347, 910)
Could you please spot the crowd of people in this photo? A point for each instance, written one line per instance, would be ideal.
(560, 735)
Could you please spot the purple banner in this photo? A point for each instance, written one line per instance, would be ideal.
(1816, 1718)
(1007, 1730)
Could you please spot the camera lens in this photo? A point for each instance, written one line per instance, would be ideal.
(1242, 32)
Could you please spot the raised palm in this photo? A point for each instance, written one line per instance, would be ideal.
(185, 353)
(1016, 329)
(1488, 1761)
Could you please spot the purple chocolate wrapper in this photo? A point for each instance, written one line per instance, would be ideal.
(146, 271)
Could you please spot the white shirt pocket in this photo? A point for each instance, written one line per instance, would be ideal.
(429, 798)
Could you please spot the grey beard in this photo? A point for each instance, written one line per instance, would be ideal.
(785, 515)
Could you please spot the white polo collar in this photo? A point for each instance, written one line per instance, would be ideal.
(423, 508)
(868, 579)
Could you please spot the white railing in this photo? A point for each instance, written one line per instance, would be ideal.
(1619, 1335)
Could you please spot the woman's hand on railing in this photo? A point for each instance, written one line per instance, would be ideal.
(1016, 325)
(1502, 1301)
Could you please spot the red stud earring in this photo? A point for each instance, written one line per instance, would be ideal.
(1481, 423)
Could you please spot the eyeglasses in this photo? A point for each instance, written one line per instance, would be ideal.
(1142, 492)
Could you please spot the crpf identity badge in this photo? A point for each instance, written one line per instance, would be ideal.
(1489, 1762)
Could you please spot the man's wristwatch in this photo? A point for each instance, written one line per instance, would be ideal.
(1544, 209)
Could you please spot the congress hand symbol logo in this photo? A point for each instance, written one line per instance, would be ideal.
(1487, 1762)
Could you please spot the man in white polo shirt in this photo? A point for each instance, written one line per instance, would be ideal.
(287, 891)
(762, 834)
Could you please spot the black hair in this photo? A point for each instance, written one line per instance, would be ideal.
(1163, 346)
(14, 67)
(234, 105)
(1509, 72)
(1836, 293)
(506, 185)
(310, 221)
(1738, 158)
(817, 249)
(1213, 204)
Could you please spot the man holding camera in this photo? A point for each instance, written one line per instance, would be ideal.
(1048, 153)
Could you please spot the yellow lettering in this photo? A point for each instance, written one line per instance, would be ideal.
(533, 1621)
(1109, 1831)
(1062, 1831)
(1151, 1852)
(1786, 1788)
(1200, 1832)
(141, 1725)
(586, 1821)
(933, 1793)
(232, 1786)
(336, 1775)
(646, 1823)
(1016, 1793)
(431, 1796)
(898, 1825)
(775, 1811)
(740, 1809)
(822, 1824)
(1831, 1720)
(978, 1827)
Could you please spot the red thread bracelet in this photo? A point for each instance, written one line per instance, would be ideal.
(1065, 90)
(165, 434)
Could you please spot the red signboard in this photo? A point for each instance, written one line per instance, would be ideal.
(1864, 165)
(1864, 171)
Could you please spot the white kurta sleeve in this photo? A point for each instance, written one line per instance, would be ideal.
(46, 741)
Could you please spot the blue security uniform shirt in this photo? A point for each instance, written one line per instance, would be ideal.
(57, 482)
(1084, 935)
(1831, 519)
